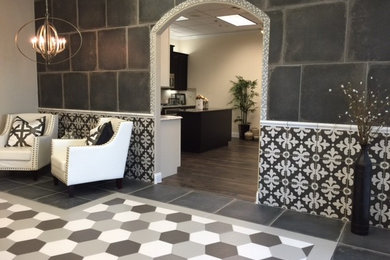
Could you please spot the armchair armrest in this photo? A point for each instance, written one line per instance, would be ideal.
(3, 140)
(59, 147)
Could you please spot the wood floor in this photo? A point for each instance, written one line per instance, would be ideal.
(230, 170)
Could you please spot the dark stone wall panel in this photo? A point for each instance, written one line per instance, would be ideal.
(315, 33)
(50, 89)
(152, 10)
(281, 3)
(121, 12)
(66, 10)
(284, 93)
(320, 105)
(134, 91)
(92, 14)
(85, 59)
(76, 91)
(369, 30)
(103, 91)
(112, 49)
(259, 3)
(276, 36)
(138, 47)
(379, 81)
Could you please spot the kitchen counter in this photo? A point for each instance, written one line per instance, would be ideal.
(169, 117)
(203, 130)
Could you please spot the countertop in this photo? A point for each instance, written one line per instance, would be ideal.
(177, 106)
(203, 111)
(169, 117)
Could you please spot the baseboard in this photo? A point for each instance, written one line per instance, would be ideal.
(157, 177)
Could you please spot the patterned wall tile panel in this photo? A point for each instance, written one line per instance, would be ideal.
(311, 170)
(140, 159)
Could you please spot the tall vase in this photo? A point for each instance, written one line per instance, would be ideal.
(361, 193)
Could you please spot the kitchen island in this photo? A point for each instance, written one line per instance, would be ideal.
(203, 130)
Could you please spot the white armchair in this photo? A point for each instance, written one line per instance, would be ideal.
(28, 158)
(74, 162)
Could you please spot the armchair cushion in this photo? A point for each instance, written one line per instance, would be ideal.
(16, 153)
(22, 133)
(100, 135)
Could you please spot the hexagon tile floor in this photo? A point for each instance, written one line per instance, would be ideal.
(127, 227)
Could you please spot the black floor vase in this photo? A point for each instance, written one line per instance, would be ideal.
(361, 193)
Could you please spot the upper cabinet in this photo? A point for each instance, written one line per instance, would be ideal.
(165, 51)
(179, 67)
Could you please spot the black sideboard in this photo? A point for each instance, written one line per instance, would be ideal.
(203, 130)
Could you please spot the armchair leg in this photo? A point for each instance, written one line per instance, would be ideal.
(119, 183)
(70, 191)
(55, 181)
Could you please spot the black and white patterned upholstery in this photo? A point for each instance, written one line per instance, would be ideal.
(22, 133)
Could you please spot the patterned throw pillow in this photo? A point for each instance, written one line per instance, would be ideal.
(100, 134)
(22, 132)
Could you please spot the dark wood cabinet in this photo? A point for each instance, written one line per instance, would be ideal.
(203, 130)
(179, 67)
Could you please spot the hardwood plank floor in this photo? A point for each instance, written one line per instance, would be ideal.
(230, 170)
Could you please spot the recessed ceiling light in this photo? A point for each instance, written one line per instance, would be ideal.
(181, 18)
(236, 20)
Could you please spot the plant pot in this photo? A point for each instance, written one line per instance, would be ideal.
(361, 193)
(242, 129)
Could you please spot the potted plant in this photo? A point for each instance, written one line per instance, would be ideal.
(243, 92)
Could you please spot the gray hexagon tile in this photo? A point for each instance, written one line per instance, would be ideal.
(126, 229)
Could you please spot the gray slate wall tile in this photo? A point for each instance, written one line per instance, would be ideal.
(112, 49)
(259, 3)
(76, 90)
(103, 87)
(50, 89)
(276, 36)
(85, 59)
(138, 47)
(152, 10)
(121, 12)
(92, 14)
(284, 93)
(280, 3)
(315, 33)
(66, 10)
(134, 91)
(317, 103)
(380, 82)
(369, 30)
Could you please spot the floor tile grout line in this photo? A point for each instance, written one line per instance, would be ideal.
(140, 189)
(189, 192)
(278, 216)
(342, 232)
(224, 206)
(362, 248)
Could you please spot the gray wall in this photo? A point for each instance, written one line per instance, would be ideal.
(319, 44)
(315, 45)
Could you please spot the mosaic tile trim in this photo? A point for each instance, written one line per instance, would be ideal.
(122, 228)
(175, 12)
(140, 160)
(311, 170)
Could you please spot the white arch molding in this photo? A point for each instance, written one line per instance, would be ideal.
(155, 61)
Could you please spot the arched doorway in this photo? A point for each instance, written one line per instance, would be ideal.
(155, 59)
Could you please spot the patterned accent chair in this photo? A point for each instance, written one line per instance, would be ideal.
(74, 162)
(31, 156)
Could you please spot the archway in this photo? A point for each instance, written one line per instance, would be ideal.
(155, 60)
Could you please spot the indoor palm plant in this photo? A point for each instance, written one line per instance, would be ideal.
(243, 92)
(369, 112)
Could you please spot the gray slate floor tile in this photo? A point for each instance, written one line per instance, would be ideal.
(62, 200)
(161, 193)
(343, 252)
(373, 241)
(202, 201)
(310, 224)
(248, 211)
(31, 192)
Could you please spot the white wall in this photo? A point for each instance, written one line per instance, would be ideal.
(18, 75)
(214, 61)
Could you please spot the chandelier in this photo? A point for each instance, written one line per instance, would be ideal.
(47, 42)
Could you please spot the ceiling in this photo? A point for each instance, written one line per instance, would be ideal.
(202, 21)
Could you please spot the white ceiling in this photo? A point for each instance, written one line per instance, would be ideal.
(202, 21)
